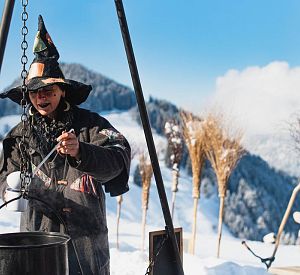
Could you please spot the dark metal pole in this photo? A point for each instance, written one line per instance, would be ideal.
(147, 131)
(4, 28)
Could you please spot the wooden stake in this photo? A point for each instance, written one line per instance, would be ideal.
(143, 228)
(119, 201)
(221, 213)
(174, 190)
(194, 229)
(173, 204)
(285, 217)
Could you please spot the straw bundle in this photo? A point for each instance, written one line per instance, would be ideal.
(223, 150)
(175, 143)
(194, 138)
(146, 175)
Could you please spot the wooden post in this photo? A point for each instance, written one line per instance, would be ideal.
(221, 214)
(119, 201)
(194, 227)
(175, 174)
(196, 196)
(145, 202)
(285, 217)
(143, 228)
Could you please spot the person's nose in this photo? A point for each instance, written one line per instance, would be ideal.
(41, 95)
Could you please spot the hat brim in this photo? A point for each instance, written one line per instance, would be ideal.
(76, 92)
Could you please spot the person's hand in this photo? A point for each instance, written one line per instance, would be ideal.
(69, 144)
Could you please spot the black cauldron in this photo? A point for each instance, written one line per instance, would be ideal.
(34, 253)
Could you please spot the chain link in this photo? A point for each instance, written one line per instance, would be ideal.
(154, 256)
(25, 162)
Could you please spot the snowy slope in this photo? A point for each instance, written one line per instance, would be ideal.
(277, 149)
(129, 260)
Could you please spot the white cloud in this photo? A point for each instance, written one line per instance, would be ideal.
(261, 98)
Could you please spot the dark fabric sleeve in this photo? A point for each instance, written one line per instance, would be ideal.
(102, 163)
(106, 157)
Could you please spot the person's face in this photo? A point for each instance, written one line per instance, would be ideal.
(46, 100)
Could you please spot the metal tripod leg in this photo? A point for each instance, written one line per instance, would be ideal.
(4, 27)
(147, 130)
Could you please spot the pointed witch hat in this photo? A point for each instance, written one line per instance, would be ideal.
(45, 71)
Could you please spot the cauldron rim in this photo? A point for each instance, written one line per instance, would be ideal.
(64, 239)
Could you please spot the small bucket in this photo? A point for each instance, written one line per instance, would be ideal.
(19, 205)
(13, 191)
(34, 253)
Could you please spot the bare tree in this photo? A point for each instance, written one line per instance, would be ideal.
(194, 138)
(175, 143)
(146, 175)
(223, 150)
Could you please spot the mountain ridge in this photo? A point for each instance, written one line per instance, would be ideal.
(106, 95)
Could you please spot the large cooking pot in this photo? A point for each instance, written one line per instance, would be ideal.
(34, 253)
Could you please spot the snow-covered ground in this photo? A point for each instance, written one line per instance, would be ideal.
(234, 259)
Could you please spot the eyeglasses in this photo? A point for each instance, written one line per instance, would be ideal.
(45, 91)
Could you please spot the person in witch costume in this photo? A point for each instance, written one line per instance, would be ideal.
(93, 156)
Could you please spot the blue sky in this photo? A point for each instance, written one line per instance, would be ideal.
(181, 47)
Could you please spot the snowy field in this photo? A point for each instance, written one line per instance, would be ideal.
(234, 259)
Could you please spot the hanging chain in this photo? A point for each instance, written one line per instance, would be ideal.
(153, 258)
(25, 162)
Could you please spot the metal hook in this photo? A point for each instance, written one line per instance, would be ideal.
(267, 261)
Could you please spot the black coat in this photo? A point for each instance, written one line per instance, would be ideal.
(79, 198)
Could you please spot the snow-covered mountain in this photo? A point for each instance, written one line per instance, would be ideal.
(129, 260)
(107, 95)
(277, 149)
